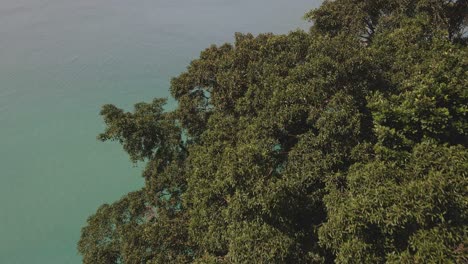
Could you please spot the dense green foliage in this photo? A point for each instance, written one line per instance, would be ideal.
(344, 144)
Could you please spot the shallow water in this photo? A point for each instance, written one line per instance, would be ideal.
(60, 60)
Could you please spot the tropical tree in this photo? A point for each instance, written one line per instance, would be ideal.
(344, 144)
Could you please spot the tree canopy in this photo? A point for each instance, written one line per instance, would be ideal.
(344, 144)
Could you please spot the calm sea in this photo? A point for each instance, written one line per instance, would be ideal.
(60, 60)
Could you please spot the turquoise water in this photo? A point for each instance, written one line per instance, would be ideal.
(60, 60)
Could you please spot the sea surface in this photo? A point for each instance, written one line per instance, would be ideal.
(60, 60)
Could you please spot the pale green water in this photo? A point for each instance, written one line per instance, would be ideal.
(60, 60)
